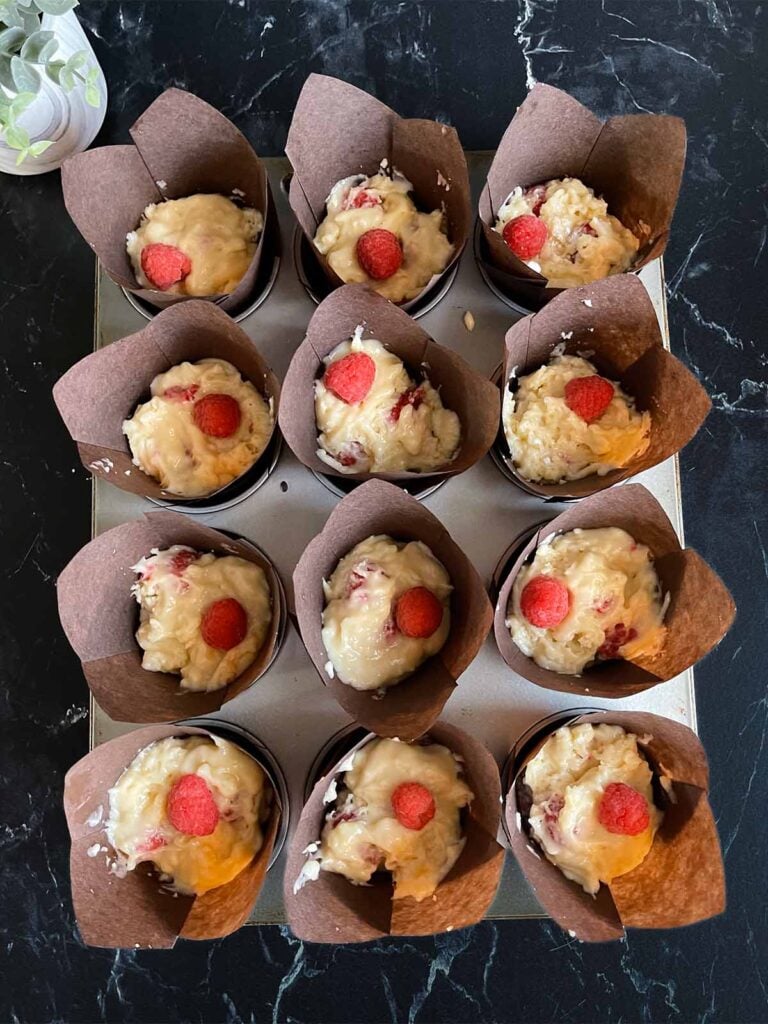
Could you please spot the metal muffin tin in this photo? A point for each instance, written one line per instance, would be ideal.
(290, 710)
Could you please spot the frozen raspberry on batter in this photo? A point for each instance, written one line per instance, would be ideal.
(622, 810)
(191, 808)
(224, 624)
(154, 841)
(418, 613)
(413, 396)
(589, 397)
(545, 601)
(164, 265)
(363, 199)
(615, 638)
(536, 196)
(180, 394)
(379, 253)
(587, 229)
(414, 805)
(351, 378)
(525, 236)
(217, 415)
(182, 560)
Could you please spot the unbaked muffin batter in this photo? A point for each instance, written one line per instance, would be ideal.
(583, 241)
(217, 236)
(551, 443)
(175, 446)
(363, 834)
(614, 602)
(180, 592)
(366, 648)
(568, 779)
(147, 798)
(398, 426)
(358, 204)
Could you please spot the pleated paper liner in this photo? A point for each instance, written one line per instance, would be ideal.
(332, 910)
(613, 324)
(136, 911)
(104, 388)
(681, 881)
(338, 130)
(181, 147)
(635, 162)
(700, 610)
(408, 709)
(471, 396)
(100, 616)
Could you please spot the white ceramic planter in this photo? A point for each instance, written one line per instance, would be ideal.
(63, 117)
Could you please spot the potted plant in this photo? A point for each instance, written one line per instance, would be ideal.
(53, 95)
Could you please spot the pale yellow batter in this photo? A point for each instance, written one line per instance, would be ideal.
(362, 835)
(614, 590)
(396, 427)
(584, 242)
(173, 590)
(425, 245)
(217, 236)
(567, 778)
(167, 444)
(551, 443)
(365, 648)
(139, 828)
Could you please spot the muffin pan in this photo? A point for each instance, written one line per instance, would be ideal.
(290, 710)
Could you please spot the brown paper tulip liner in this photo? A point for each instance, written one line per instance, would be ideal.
(681, 880)
(700, 610)
(471, 396)
(613, 324)
(553, 136)
(181, 147)
(100, 616)
(338, 130)
(332, 909)
(137, 911)
(102, 390)
(408, 709)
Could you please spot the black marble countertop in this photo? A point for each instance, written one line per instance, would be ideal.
(467, 63)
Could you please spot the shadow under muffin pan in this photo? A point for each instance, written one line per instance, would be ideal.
(240, 489)
(252, 745)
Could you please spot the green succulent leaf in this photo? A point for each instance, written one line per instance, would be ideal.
(31, 21)
(67, 79)
(24, 3)
(53, 70)
(20, 102)
(22, 156)
(49, 50)
(92, 78)
(55, 7)
(92, 95)
(40, 147)
(16, 137)
(34, 44)
(6, 78)
(10, 16)
(25, 77)
(11, 39)
(77, 60)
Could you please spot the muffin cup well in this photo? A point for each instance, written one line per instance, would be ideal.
(331, 909)
(680, 882)
(103, 389)
(471, 396)
(613, 324)
(700, 611)
(100, 616)
(553, 136)
(181, 147)
(409, 708)
(136, 911)
(338, 130)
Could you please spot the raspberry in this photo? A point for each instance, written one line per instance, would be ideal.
(154, 841)
(181, 560)
(217, 415)
(164, 265)
(191, 808)
(615, 638)
(536, 195)
(362, 199)
(180, 394)
(589, 397)
(379, 253)
(545, 601)
(525, 236)
(414, 805)
(413, 396)
(622, 810)
(587, 229)
(224, 624)
(351, 378)
(418, 613)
